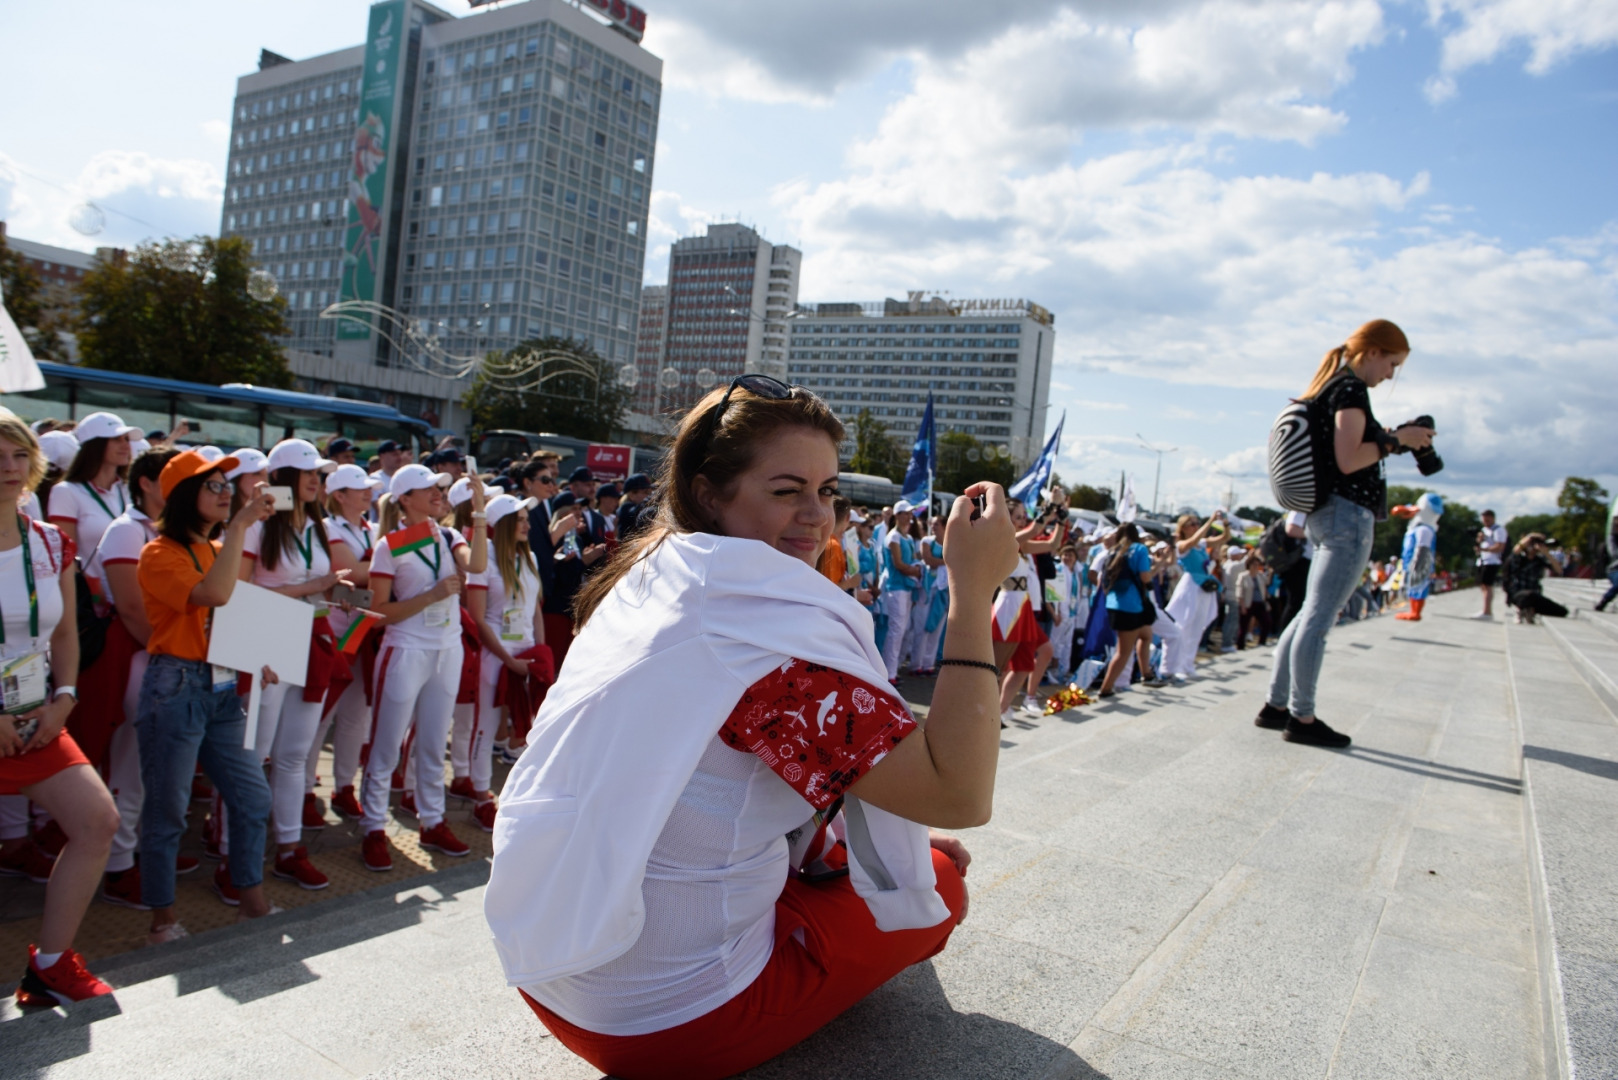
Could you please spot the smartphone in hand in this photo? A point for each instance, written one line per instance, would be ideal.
(282, 496)
(352, 595)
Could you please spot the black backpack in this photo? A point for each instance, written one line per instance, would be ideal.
(1279, 551)
(1303, 464)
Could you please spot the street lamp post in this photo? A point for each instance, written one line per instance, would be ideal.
(1159, 451)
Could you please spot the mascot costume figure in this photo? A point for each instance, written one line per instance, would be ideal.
(1420, 551)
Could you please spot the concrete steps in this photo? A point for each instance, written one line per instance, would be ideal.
(1565, 687)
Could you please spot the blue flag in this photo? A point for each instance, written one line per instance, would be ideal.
(918, 485)
(1034, 480)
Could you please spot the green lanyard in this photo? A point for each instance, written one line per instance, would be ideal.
(365, 556)
(306, 550)
(438, 559)
(107, 509)
(28, 576)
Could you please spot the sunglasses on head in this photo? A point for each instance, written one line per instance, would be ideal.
(763, 386)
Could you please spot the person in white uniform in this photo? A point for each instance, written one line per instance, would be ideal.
(416, 579)
(94, 491)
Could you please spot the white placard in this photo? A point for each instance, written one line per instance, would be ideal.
(258, 628)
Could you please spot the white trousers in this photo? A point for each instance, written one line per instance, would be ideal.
(1193, 609)
(460, 739)
(286, 738)
(898, 604)
(923, 645)
(123, 772)
(420, 683)
(347, 722)
(1062, 644)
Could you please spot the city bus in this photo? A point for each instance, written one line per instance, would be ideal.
(229, 416)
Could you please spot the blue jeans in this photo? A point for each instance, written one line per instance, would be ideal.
(1342, 533)
(1612, 593)
(181, 719)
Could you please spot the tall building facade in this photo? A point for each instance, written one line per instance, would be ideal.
(487, 178)
(654, 326)
(987, 362)
(729, 297)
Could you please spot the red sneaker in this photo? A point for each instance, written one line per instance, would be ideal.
(374, 850)
(313, 816)
(483, 815)
(440, 839)
(397, 783)
(184, 864)
(344, 802)
(51, 839)
(295, 866)
(63, 983)
(407, 803)
(211, 838)
(221, 884)
(461, 788)
(29, 862)
(122, 889)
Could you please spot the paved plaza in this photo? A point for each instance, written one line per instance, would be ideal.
(1166, 891)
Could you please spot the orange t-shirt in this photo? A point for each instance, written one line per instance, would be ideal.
(833, 563)
(168, 572)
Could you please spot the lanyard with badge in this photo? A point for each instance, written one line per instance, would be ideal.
(23, 678)
(437, 613)
(224, 678)
(517, 619)
(306, 548)
(122, 506)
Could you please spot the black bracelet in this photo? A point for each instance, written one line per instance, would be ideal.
(986, 666)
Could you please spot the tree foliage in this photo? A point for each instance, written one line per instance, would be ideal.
(180, 310)
(1261, 514)
(582, 406)
(41, 318)
(963, 460)
(878, 453)
(1583, 522)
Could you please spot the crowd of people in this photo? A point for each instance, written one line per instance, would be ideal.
(442, 610)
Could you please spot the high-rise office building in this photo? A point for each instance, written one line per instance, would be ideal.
(486, 177)
(988, 363)
(654, 326)
(729, 296)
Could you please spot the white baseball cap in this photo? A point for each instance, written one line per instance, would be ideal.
(210, 453)
(137, 447)
(350, 477)
(248, 460)
(297, 454)
(904, 506)
(461, 491)
(414, 477)
(101, 425)
(60, 448)
(503, 505)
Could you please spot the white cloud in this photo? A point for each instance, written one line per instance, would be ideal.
(1476, 31)
(142, 197)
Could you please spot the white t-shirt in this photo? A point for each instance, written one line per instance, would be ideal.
(120, 543)
(438, 626)
(1492, 534)
(46, 546)
(360, 539)
(293, 567)
(510, 618)
(89, 508)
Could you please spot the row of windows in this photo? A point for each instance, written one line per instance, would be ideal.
(934, 343)
(910, 328)
(246, 165)
(251, 110)
(288, 129)
(907, 357)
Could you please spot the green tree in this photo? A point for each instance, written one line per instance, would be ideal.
(1457, 531)
(1261, 514)
(1523, 524)
(878, 453)
(582, 405)
(963, 460)
(1583, 522)
(180, 310)
(41, 321)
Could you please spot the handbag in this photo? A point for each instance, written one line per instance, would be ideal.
(1210, 584)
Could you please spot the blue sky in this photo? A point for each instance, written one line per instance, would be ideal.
(1207, 193)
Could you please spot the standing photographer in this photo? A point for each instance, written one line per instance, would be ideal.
(1491, 547)
(1341, 528)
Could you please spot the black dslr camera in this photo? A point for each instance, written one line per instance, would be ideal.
(1427, 459)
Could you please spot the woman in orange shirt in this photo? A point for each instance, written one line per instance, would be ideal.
(189, 710)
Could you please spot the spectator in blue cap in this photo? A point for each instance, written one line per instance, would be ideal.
(635, 510)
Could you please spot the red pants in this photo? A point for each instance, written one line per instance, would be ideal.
(843, 957)
(558, 635)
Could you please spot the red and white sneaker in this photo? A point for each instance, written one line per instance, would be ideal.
(121, 888)
(29, 862)
(295, 866)
(461, 788)
(439, 838)
(483, 815)
(313, 816)
(344, 802)
(374, 850)
(407, 803)
(63, 983)
(51, 839)
(184, 864)
(397, 781)
(222, 885)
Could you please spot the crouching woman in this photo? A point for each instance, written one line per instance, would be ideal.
(717, 839)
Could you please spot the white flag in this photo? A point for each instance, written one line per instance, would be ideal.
(18, 371)
(1127, 509)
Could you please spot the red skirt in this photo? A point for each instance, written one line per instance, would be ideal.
(1028, 636)
(25, 770)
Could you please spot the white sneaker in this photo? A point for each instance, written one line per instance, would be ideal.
(1006, 718)
(1484, 616)
(172, 932)
(1034, 705)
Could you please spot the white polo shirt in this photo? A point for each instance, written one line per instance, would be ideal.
(120, 543)
(302, 561)
(1492, 534)
(88, 508)
(510, 616)
(439, 625)
(361, 539)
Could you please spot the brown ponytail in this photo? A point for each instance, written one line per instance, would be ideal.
(747, 421)
(1376, 334)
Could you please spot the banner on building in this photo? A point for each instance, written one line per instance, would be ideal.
(375, 132)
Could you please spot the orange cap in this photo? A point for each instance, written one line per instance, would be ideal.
(185, 466)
